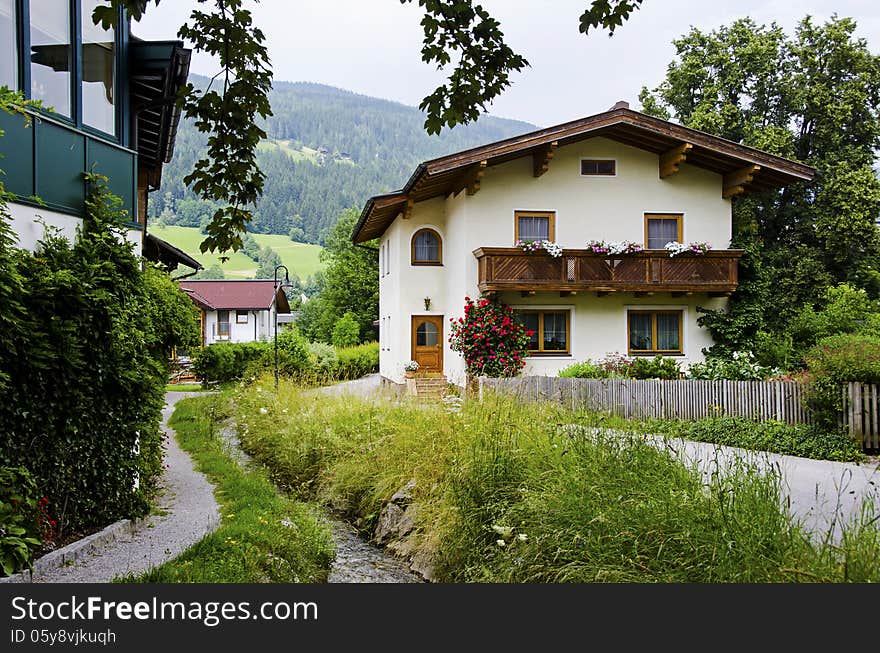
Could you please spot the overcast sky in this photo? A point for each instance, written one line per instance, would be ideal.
(373, 46)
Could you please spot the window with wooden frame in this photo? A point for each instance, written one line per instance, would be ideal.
(655, 332)
(241, 317)
(223, 323)
(662, 228)
(427, 248)
(598, 167)
(534, 225)
(551, 331)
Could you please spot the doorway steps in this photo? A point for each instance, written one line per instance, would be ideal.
(427, 387)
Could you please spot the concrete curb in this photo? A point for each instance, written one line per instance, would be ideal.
(75, 551)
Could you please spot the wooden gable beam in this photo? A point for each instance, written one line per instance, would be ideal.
(671, 159)
(735, 182)
(542, 156)
(470, 180)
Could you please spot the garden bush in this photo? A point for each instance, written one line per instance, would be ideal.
(323, 357)
(837, 360)
(346, 331)
(227, 361)
(25, 526)
(83, 363)
(358, 361)
(740, 367)
(492, 342)
(617, 366)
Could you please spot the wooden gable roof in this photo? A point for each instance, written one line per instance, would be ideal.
(743, 168)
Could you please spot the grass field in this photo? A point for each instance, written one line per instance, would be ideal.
(302, 260)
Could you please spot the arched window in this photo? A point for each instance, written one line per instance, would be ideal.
(427, 248)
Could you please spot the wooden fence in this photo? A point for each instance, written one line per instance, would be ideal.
(692, 399)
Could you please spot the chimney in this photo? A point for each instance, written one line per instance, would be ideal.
(622, 104)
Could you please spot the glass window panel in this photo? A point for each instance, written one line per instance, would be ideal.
(530, 322)
(661, 231)
(555, 336)
(223, 323)
(427, 247)
(50, 54)
(98, 72)
(9, 47)
(640, 332)
(597, 167)
(668, 331)
(426, 335)
(241, 317)
(533, 227)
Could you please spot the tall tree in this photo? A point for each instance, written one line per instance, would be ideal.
(350, 285)
(814, 97)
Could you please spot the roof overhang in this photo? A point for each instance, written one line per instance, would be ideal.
(160, 251)
(158, 70)
(744, 168)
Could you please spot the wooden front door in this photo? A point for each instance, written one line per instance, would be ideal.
(427, 342)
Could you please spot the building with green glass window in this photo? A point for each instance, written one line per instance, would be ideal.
(108, 105)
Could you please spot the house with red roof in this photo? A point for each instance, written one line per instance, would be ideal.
(237, 310)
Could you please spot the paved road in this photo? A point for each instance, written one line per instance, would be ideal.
(188, 512)
(820, 493)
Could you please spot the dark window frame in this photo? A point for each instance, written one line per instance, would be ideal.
(238, 316)
(598, 163)
(23, 72)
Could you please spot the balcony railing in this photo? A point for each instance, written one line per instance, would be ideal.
(510, 268)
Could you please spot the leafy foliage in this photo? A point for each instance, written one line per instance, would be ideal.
(19, 535)
(738, 367)
(174, 316)
(350, 284)
(617, 366)
(490, 338)
(84, 363)
(346, 331)
(815, 97)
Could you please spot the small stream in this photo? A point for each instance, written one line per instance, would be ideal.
(357, 561)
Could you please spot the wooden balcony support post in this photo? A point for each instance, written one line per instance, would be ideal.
(672, 159)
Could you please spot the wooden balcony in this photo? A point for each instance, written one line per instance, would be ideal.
(651, 271)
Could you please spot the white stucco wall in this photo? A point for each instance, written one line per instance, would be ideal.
(28, 225)
(587, 208)
(262, 320)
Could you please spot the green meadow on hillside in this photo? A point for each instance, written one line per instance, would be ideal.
(301, 259)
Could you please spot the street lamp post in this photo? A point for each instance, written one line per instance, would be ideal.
(277, 287)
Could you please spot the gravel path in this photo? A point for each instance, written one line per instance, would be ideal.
(186, 512)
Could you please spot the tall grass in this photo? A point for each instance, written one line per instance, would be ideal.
(528, 493)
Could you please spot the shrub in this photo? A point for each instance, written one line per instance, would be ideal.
(20, 513)
(584, 370)
(655, 368)
(834, 361)
(84, 361)
(227, 361)
(740, 367)
(346, 331)
(358, 361)
(617, 366)
(323, 357)
(492, 342)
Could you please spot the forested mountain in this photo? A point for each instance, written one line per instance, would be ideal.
(328, 150)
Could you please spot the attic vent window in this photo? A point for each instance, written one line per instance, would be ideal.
(598, 167)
